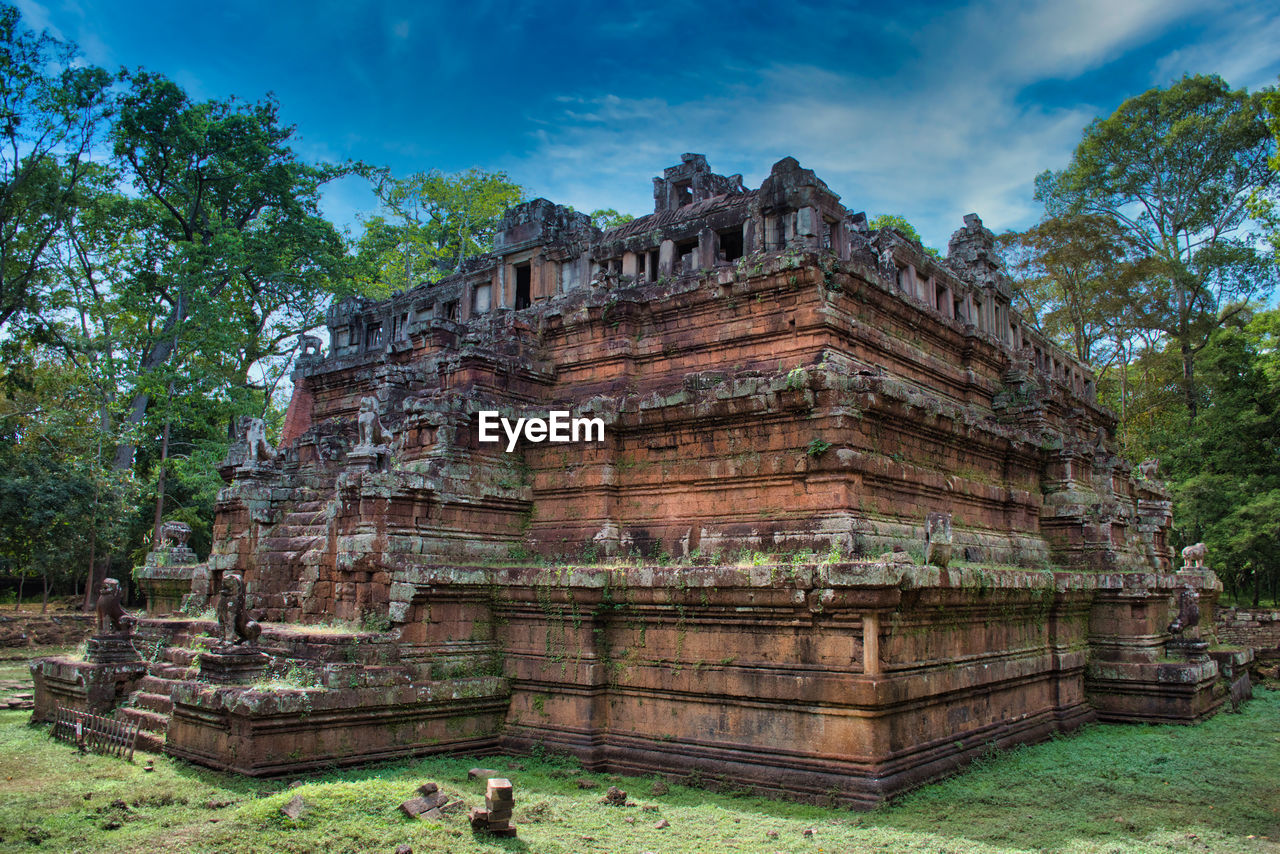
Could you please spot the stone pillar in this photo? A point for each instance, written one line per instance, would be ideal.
(708, 249)
(667, 258)
(808, 227)
(629, 266)
(871, 644)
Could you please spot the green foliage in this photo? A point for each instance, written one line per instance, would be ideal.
(57, 499)
(607, 218)
(906, 229)
(1225, 468)
(817, 447)
(1174, 170)
(53, 108)
(1082, 281)
(430, 223)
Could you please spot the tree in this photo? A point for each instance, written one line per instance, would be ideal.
(1225, 473)
(429, 225)
(57, 501)
(51, 111)
(607, 218)
(1174, 169)
(906, 229)
(234, 238)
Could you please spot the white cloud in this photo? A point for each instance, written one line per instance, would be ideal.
(1241, 48)
(945, 136)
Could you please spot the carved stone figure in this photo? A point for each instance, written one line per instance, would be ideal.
(234, 622)
(174, 534)
(1193, 556)
(111, 611)
(309, 346)
(372, 433)
(1188, 612)
(1149, 469)
(937, 539)
(255, 436)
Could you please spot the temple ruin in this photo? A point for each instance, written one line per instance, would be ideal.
(851, 520)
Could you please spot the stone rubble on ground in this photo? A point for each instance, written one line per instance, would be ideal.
(499, 802)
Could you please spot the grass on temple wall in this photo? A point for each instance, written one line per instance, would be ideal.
(1211, 788)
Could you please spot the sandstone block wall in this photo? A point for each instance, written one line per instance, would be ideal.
(1252, 627)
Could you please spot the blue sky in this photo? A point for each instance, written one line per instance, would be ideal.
(929, 110)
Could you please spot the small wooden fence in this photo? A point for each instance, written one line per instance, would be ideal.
(93, 732)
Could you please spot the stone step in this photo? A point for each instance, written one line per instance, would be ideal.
(149, 721)
(296, 531)
(150, 742)
(157, 685)
(175, 672)
(159, 703)
(180, 655)
(288, 544)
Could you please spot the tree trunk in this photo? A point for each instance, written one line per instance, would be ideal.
(164, 459)
(1189, 379)
(44, 599)
(97, 572)
(22, 578)
(88, 575)
(138, 406)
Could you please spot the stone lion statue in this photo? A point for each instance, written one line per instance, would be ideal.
(309, 346)
(370, 426)
(174, 533)
(1193, 556)
(937, 539)
(111, 611)
(255, 435)
(233, 618)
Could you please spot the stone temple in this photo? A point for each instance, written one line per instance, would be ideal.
(850, 520)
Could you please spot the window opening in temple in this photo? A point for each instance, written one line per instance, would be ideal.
(900, 278)
(653, 265)
(957, 310)
(353, 336)
(451, 310)
(399, 326)
(524, 278)
(690, 248)
(640, 268)
(940, 299)
(684, 193)
(373, 336)
(731, 244)
(828, 227)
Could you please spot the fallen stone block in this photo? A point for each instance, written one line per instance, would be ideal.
(294, 809)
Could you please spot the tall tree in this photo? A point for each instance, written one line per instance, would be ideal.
(236, 238)
(51, 112)
(1175, 170)
(1226, 472)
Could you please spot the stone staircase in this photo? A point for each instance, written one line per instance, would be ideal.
(298, 539)
(151, 704)
(302, 528)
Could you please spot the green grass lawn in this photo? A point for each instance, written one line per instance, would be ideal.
(1210, 788)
